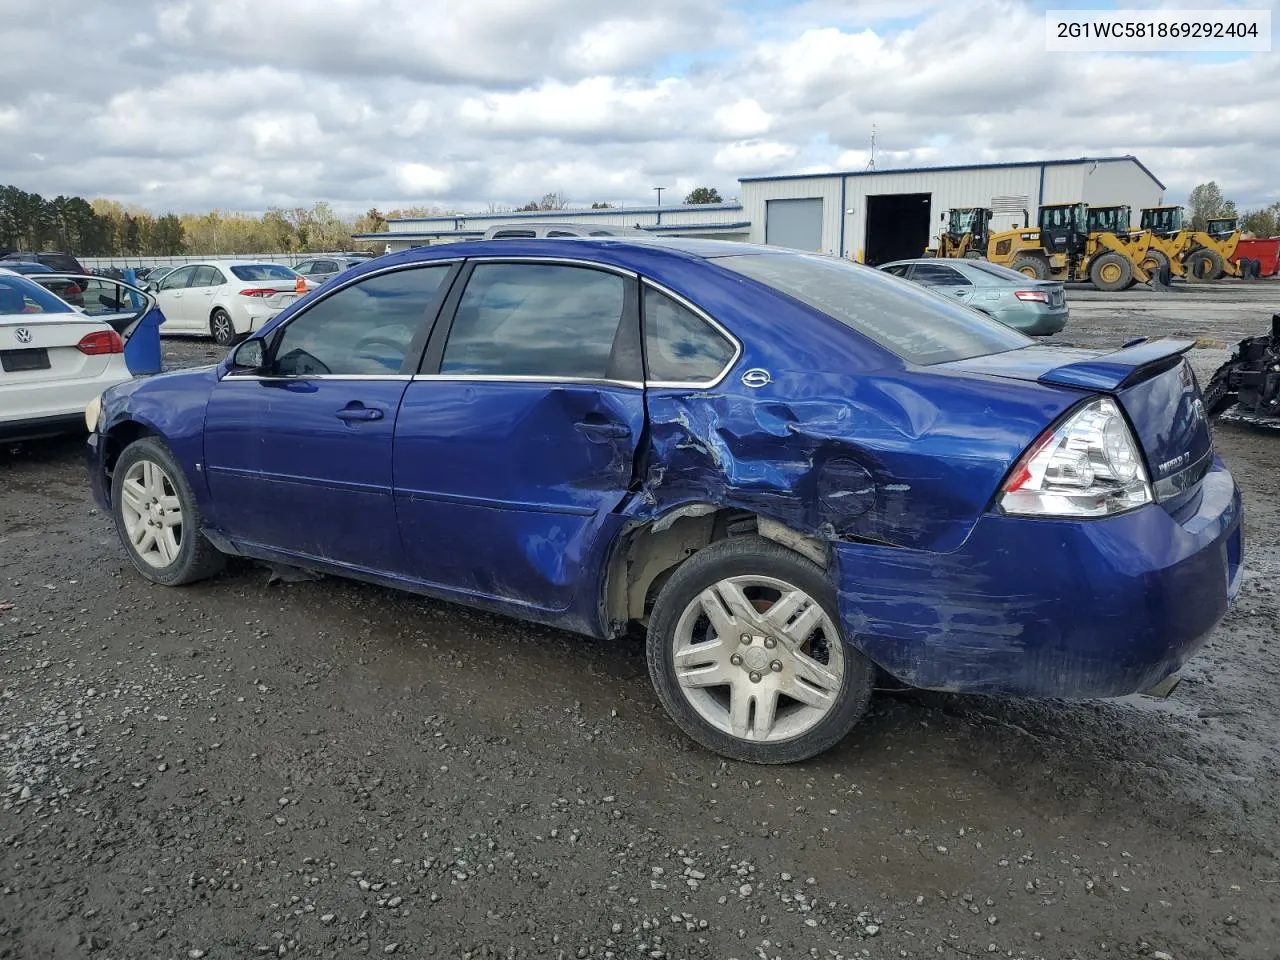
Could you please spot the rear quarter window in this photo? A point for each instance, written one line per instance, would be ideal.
(900, 316)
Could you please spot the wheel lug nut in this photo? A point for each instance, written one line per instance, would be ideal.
(745, 638)
(776, 666)
(755, 677)
(736, 660)
(770, 642)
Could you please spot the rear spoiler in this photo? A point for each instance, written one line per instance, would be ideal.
(1125, 367)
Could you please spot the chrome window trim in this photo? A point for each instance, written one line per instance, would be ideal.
(320, 376)
(715, 324)
(527, 378)
(416, 265)
(559, 261)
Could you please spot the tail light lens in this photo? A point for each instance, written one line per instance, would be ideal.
(1034, 296)
(100, 342)
(257, 292)
(1089, 465)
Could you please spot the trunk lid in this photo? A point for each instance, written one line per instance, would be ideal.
(39, 348)
(1153, 383)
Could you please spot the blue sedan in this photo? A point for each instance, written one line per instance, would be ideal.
(792, 471)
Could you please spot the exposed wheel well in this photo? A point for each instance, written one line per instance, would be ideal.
(119, 437)
(649, 553)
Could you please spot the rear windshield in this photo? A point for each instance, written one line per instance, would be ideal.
(20, 296)
(1004, 273)
(263, 271)
(902, 317)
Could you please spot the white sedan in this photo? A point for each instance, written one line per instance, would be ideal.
(54, 360)
(226, 299)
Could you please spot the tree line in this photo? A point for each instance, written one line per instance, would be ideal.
(1206, 202)
(106, 228)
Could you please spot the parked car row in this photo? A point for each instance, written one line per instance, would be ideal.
(791, 472)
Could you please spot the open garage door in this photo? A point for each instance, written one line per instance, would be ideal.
(897, 226)
(794, 223)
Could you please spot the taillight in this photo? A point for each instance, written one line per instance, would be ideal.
(1035, 296)
(100, 342)
(257, 292)
(1088, 466)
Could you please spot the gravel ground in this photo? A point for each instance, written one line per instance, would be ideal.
(327, 769)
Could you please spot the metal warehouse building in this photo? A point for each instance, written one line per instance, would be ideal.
(722, 220)
(873, 215)
(882, 215)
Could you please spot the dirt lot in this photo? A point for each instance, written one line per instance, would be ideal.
(329, 769)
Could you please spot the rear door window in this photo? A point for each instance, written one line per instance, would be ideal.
(537, 320)
(938, 274)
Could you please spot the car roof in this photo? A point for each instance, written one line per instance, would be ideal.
(212, 262)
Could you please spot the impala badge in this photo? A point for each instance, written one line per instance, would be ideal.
(756, 378)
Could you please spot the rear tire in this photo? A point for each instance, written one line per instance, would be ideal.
(1111, 271)
(221, 328)
(749, 714)
(158, 518)
(1031, 266)
(973, 255)
(1204, 265)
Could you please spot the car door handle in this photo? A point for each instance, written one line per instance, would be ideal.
(358, 412)
(608, 429)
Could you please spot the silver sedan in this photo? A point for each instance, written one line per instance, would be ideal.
(1036, 307)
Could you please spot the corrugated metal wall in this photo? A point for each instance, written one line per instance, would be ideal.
(1111, 182)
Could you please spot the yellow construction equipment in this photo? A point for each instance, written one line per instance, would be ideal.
(1194, 254)
(965, 234)
(1063, 247)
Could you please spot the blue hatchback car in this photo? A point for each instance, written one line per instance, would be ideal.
(790, 470)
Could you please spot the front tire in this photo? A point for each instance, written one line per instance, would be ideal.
(1204, 264)
(157, 517)
(746, 654)
(221, 328)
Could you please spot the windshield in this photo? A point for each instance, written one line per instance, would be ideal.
(901, 316)
(263, 271)
(961, 221)
(19, 297)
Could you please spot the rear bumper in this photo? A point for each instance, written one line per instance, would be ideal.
(1049, 608)
(33, 428)
(1033, 320)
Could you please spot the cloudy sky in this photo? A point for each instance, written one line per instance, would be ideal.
(187, 105)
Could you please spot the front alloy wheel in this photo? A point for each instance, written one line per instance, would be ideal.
(151, 513)
(158, 518)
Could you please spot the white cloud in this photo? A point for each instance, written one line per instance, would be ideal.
(743, 118)
(243, 104)
(421, 180)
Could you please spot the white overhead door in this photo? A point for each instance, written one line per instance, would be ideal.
(794, 223)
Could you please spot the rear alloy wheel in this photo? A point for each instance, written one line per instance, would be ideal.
(1111, 271)
(158, 518)
(1032, 266)
(221, 328)
(746, 655)
(1204, 264)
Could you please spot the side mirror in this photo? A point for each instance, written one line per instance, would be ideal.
(250, 355)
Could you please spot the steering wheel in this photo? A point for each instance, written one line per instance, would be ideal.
(365, 348)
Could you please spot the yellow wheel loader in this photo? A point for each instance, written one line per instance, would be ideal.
(1194, 254)
(1062, 247)
(1211, 250)
(965, 235)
